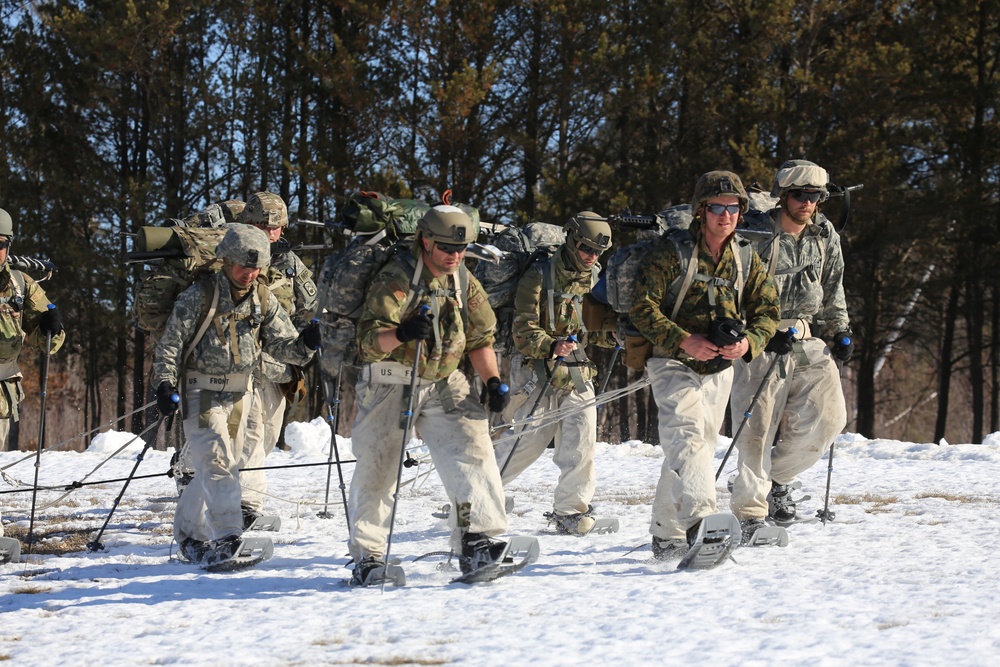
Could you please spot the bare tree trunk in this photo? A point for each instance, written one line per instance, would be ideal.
(947, 363)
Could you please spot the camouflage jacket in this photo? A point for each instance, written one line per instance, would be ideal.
(291, 282)
(384, 306)
(213, 355)
(19, 321)
(808, 274)
(759, 301)
(532, 334)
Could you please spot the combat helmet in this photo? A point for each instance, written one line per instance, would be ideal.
(587, 229)
(246, 246)
(264, 208)
(800, 175)
(6, 224)
(718, 184)
(447, 224)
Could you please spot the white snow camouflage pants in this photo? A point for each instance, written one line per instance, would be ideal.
(808, 395)
(460, 447)
(691, 409)
(209, 508)
(262, 432)
(575, 437)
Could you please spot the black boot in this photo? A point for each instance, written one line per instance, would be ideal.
(249, 516)
(479, 550)
(780, 505)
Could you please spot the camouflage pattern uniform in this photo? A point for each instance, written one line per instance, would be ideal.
(805, 388)
(214, 422)
(291, 282)
(572, 384)
(691, 402)
(18, 325)
(446, 415)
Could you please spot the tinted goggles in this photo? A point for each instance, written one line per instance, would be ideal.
(451, 248)
(719, 209)
(805, 196)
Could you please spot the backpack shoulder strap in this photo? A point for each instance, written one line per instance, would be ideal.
(19, 285)
(209, 304)
(264, 296)
(684, 244)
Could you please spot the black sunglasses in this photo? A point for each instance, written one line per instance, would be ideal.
(586, 249)
(451, 248)
(719, 209)
(4, 244)
(803, 196)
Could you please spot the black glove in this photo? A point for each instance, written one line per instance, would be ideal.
(418, 327)
(165, 402)
(50, 322)
(499, 394)
(843, 347)
(311, 336)
(780, 343)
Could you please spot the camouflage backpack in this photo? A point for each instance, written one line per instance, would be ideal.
(177, 257)
(522, 247)
(384, 229)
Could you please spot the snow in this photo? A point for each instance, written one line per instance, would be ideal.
(904, 575)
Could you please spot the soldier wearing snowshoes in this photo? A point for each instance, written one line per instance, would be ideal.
(727, 311)
(551, 371)
(205, 364)
(26, 316)
(804, 393)
(281, 384)
(427, 296)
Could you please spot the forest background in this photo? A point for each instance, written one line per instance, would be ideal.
(117, 114)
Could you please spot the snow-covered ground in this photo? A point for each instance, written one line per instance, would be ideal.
(905, 574)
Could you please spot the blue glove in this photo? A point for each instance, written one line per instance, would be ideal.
(418, 327)
(50, 322)
(312, 336)
(780, 343)
(167, 399)
(499, 394)
(843, 347)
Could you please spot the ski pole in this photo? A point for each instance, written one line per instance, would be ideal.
(95, 544)
(41, 433)
(408, 413)
(753, 403)
(531, 414)
(333, 415)
(611, 365)
(825, 514)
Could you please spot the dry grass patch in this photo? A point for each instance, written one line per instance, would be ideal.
(879, 504)
(53, 542)
(954, 497)
(31, 590)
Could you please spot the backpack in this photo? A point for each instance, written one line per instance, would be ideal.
(629, 261)
(178, 257)
(521, 247)
(383, 229)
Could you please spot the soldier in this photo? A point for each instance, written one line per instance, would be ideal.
(446, 415)
(695, 340)
(25, 317)
(217, 371)
(291, 282)
(548, 308)
(807, 263)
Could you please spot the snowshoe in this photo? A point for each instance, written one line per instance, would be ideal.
(10, 550)
(254, 520)
(373, 572)
(757, 533)
(485, 559)
(194, 550)
(581, 523)
(780, 506)
(237, 553)
(668, 549)
(712, 541)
